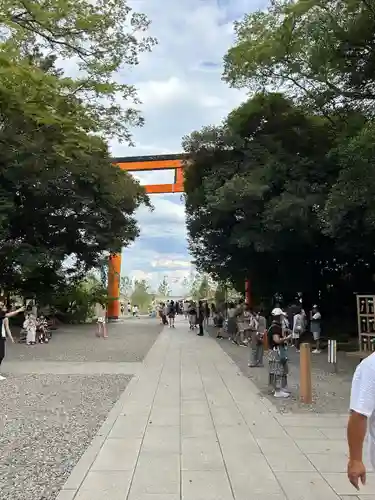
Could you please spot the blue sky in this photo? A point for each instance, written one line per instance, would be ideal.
(181, 90)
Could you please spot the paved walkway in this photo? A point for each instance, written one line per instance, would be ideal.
(190, 426)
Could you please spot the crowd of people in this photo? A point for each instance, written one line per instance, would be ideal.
(246, 327)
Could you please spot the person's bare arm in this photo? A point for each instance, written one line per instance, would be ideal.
(362, 406)
(280, 340)
(356, 432)
(14, 313)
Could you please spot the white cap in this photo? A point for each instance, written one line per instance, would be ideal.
(277, 312)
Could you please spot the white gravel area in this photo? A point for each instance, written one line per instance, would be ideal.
(47, 422)
(127, 342)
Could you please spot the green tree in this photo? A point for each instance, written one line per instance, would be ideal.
(141, 295)
(126, 286)
(186, 286)
(318, 52)
(349, 213)
(99, 38)
(76, 301)
(164, 289)
(204, 287)
(253, 190)
(60, 196)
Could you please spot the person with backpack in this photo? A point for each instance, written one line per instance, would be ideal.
(171, 313)
(193, 315)
(5, 331)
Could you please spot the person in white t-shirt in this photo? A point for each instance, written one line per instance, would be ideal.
(361, 420)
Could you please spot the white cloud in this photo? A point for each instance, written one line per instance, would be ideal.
(168, 218)
(171, 264)
(163, 92)
(180, 82)
(181, 89)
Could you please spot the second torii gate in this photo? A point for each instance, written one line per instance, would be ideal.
(142, 164)
(139, 164)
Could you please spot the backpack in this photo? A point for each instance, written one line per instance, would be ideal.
(171, 309)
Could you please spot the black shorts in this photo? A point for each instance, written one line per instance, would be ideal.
(2, 348)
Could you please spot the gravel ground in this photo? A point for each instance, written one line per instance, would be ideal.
(128, 342)
(47, 422)
(330, 391)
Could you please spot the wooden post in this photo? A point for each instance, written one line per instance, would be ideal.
(114, 272)
(305, 387)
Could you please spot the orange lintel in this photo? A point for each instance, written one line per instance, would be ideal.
(164, 188)
(150, 165)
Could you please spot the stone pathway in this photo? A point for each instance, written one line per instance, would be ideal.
(190, 426)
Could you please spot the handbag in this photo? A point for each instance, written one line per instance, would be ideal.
(283, 354)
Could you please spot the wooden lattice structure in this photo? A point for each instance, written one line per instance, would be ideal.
(366, 321)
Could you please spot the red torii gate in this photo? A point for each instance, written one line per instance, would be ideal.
(142, 164)
(137, 164)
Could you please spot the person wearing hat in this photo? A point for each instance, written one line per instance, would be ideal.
(277, 357)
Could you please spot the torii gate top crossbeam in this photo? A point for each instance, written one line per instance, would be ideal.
(158, 162)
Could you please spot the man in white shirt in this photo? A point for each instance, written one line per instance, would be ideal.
(361, 420)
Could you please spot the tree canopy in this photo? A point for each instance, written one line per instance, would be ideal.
(164, 289)
(318, 52)
(262, 200)
(141, 295)
(282, 191)
(63, 205)
(97, 38)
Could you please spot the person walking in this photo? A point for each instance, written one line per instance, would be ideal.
(207, 313)
(193, 315)
(171, 313)
(256, 344)
(186, 308)
(201, 316)
(219, 324)
(361, 420)
(213, 314)
(102, 327)
(299, 326)
(5, 332)
(315, 327)
(245, 324)
(232, 322)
